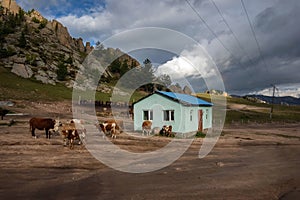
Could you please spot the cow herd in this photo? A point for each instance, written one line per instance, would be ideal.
(74, 130)
(166, 130)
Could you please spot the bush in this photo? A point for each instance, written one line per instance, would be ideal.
(43, 24)
(5, 53)
(22, 40)
(200, 134)
(31, 59)
(62, 71)
(35, 20)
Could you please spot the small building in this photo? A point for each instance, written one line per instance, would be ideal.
(184, 112)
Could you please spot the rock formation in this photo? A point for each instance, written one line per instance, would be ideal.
(10, 6)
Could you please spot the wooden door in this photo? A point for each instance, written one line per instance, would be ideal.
(200, 120)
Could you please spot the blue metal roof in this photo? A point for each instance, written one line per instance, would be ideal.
(185, 99)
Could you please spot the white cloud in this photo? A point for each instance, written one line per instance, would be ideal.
(194, 68)
(282, 90)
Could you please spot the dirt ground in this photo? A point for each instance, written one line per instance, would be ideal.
(254, 161)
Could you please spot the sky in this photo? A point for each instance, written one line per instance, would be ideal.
(250, 55)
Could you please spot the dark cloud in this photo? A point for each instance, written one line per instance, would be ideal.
(276, 25)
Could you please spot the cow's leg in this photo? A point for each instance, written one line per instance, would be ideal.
(71, 143)
(47, 133)
(65, 141)
(32, 132)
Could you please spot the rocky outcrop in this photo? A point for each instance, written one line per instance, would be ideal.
(36, 47)
(88, 47)
(22, 70)
(10, 6)
(62, 34)
(187, 90)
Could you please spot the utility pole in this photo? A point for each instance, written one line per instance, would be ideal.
(272, 104)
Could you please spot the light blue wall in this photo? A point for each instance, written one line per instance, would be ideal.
(207, 117)
(191, 124)
(157, 103)
(181, 123)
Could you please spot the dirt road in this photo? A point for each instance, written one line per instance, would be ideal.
(249, 162)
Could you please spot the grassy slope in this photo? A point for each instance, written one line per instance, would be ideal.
(281, 113)
(13, 87)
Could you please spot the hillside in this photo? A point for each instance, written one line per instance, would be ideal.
(286, 100)
(245, 110)
(38, 49)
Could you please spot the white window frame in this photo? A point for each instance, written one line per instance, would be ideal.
(169, 117)
(149, 115)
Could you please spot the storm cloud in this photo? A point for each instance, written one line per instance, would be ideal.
(243, 66)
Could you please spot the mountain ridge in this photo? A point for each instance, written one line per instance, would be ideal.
(285, 100)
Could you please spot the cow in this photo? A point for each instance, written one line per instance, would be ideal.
(119, 124)
(46, 124)
(79, 124)
(3, 112)
(70, 135)
(71, 132)
(109, 127)
(146, 127)
(112, 127)
(166, 131)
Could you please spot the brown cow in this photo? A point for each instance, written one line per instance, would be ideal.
(146, 127)
(43, 124)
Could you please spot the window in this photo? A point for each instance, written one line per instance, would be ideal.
(168, 115)
(191, 115)
(148, 115)
(206, 114)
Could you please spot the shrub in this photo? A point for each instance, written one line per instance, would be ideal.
(43, 24)
(200, 134)
(35, 20)
(62, 71)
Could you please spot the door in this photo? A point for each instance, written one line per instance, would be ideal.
(200, 120)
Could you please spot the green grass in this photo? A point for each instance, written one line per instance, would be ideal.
(281, 113)
(13, 87)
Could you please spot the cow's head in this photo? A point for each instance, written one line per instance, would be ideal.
(57, 124)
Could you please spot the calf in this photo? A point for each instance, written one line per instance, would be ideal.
(166, 131)
(79, 124)
(43, 124)
(146, 127)
(70, 134)
(109, 128)
(112, 126)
